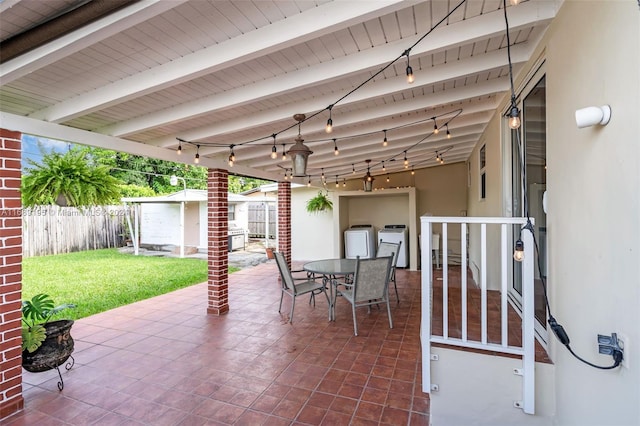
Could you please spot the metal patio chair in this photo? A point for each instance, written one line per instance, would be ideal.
(295, 287)
(386, 249)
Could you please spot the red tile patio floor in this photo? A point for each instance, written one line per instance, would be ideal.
(163, 361)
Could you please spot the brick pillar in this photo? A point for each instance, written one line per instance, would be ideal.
(217, 247)
(284, 220)
(10, 274)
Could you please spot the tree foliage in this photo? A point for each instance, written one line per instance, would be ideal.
(68, 179)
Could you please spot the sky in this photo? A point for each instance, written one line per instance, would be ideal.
(34, 147)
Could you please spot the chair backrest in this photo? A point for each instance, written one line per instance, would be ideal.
(386, 249)
(371, 278)
(285, 272)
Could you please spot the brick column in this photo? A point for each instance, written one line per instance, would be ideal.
(284, 220)
(10, 274)
(217, 247)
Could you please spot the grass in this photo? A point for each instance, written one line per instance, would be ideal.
(99, 280)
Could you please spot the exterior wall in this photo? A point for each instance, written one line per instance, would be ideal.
(160, 223)
(310, 233)
(11, 275)
(440, 191)
(593, 58)
(492, 204)
(593, 223)
(217, 243)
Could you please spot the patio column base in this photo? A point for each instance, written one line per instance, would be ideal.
(218, 311)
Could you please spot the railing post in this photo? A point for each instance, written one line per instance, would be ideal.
(426, 293)
(528, 326)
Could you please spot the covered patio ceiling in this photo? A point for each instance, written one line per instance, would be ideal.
(139, 76)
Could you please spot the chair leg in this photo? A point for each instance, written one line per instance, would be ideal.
(389, 313)
(281, 297)
(355, 323)
(293, 305)
(396, 287)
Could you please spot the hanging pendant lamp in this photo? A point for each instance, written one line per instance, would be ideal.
(367, 180)
(299, 152)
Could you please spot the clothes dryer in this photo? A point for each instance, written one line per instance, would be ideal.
(360, 240)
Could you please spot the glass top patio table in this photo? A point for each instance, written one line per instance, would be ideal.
(330, 269)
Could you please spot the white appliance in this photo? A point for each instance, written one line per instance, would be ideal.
(397, 234)
(360, 240)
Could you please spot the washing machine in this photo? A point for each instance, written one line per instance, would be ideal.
(360, 240)
(397, 234)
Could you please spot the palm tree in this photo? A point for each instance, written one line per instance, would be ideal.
(68, 180)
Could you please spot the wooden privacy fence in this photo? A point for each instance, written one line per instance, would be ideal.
(258, 218)
(54, 230)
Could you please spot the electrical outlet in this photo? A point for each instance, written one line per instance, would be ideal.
(610, 345)
(623, 342)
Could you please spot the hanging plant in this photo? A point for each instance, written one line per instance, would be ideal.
(319, 203)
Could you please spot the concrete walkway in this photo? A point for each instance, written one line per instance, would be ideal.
(253, 254)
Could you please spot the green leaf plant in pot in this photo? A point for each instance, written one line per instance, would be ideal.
(46, 344)
(319, 203)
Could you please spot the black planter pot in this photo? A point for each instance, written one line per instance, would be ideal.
(55, 349)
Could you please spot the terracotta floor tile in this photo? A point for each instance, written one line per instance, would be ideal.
(248, 367)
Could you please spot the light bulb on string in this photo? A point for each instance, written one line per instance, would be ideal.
(309, 182)
(448, 132)
(410, 77)
(435, 126)
(274, 149)
(384, 141)
(232, 156)
(413, 172)
(384, 169)
(196, 159)
(179, 151)
(514, 118)
(353, 169)
(337, 183)
(329, 127)
(335, 148)
(344, 183)
(388, 178)
(406, 162)
(284, 153)
(518, 252)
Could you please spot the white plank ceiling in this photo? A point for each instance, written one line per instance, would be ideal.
(220, 73)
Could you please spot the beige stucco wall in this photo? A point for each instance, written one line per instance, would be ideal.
(439, 190)
(592, 58)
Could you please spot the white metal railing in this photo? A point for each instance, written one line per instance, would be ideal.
(527, 349)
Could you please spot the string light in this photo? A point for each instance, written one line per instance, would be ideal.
(388, 178)
(353, 169)
(448, 132)
(309, 182)
(329, 127)
(406, 162)
(179, 147)
(410, 77)
(324, 179)
(384, 169)
(337, 183)
(435, 126)
(385, 142)
(232, 156)
(413, 172)
(197, 157)
(274, 149)
(284, 153)
(335, 148)
(344, 183)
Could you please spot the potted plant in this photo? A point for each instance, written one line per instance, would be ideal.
(46, 344)
(319, 203)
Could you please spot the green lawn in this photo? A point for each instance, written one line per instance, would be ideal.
(99, 280)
